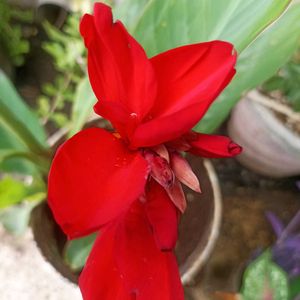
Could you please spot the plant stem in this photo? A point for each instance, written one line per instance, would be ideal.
(57, 98)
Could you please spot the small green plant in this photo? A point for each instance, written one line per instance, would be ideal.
(12, 39)
(68, 54)
(287, 82)
(275, 274)
(24, 151)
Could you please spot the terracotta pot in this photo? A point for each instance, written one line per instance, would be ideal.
(270, 148)
(198, 231)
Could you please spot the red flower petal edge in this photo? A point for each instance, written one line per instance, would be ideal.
(162, 215)
(214, 146)
(81, 194)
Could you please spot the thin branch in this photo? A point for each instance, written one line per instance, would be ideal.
(57, 98)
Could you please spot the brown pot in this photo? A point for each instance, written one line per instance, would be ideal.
(198, 230)
(270, 148)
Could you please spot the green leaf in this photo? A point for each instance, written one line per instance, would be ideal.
(294, 99)
(83, 104)
(294, 288)
(264, 280)
(170, 23)
(60, 119)
(257, 63)
(17, 165)
(53, 33)
(36, 197)
(77, 251)
(9, 145)
(11, 192)
(274, 84)
(129, 11)
(39, 163)
(15, 219)
(19, 119)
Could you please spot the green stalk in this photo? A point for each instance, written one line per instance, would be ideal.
(40, 162)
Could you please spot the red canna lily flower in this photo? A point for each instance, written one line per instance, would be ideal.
(128, 183)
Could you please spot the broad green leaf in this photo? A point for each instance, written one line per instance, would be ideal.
(264, 280)
(170, 23)
(129, 11)
(83, 104)
(257, 63)
(77, 251)
(16, 117)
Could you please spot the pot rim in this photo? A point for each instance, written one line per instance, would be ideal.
(193, 266)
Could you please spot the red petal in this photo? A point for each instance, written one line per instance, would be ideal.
(100, 278)
(162, 215)
(182, 143)
(116, 113)
(119, 70)
(177, 196)
(126, 264)
(189, 79)
(191, 74)
(93, 178)
(162, 151)
(148, 272)
(214, 146)
(184, 172)
(160, 169)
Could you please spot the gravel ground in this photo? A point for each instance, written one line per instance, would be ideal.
(25, 275)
